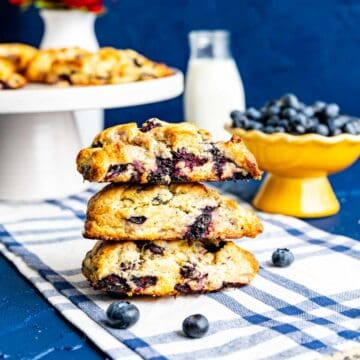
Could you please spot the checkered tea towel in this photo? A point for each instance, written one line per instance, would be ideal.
(306, 311)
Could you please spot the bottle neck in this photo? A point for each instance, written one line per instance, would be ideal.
(209, 45)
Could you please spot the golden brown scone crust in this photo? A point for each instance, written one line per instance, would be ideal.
(40, 66)
(18, 54)
(76, 66)
(161, 268)
(107, 66)
(9, 78)
(160, 152)
(161, 212)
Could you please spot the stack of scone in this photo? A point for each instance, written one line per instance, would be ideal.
(161, 232)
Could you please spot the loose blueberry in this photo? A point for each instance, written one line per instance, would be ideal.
(289, 113)
(308, 111)
(350, 128)
(318, 106)
(284, 123)
(331, 110)
(254, 125)
(299, 119)
(257, 126)
(268, 129)
(279, 129)
(331, 124)
(356, 125)
(273, 121)
(336, 132)
(311, 123)
(195, 326)
(340, 121)
(300, 129)
(273, 110)
(290, 100)
(242, 122)
(252, 113)
(235, 114)
(322, 129)
(282, 257)
(122, 314)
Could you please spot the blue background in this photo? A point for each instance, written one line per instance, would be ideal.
(308, 47)
(311, 48)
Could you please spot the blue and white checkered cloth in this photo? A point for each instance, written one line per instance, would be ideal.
(305, 311)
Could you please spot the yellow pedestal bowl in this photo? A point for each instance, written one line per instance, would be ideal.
(297, 167)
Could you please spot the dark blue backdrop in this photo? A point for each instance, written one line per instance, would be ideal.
(309, 47)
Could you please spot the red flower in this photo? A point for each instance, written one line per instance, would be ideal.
(19, 2)
(90, 5)
(96, 6)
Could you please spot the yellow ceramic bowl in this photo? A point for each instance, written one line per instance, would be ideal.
(298, 166)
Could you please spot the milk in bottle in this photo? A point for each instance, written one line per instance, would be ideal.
(213, 84)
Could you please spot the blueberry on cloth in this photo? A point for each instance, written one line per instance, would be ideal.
(282, 257)
(195, 326)
(122, 314)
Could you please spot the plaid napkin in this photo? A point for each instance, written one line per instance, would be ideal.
(305, 311)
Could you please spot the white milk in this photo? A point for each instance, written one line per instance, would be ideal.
(213, 89)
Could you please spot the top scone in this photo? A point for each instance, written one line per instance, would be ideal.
(163, 153)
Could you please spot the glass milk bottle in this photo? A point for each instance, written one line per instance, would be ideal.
(213, 84)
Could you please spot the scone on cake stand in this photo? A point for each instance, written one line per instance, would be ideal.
(39, 137)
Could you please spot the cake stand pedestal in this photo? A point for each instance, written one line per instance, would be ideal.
(39, 139)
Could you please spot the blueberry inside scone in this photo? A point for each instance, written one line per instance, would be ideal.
(163, 153)
(161, 268)
(161, 212)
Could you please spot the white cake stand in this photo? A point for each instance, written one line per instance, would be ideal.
(39, 139)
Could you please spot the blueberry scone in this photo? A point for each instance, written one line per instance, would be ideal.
(163, 153)
(107, 66)
(18, 54)
(166, 212)
(40, 66)
(9, 78)
(160, 268)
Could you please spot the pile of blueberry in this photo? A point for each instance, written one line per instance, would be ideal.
(290, 115)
